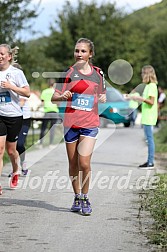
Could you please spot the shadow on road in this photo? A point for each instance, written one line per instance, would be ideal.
(32, 203)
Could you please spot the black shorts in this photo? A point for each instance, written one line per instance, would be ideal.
(10, 127)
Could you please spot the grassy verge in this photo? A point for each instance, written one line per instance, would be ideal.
(158, 209)
(29, 143)
(31, 140)
(155, 200)
(161, 139)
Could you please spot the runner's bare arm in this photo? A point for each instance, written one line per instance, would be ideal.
(61, 97)
(24, 91)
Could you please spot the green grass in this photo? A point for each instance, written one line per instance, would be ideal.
(161, 138)
(158, 209)
(31, 140)
(155, 200)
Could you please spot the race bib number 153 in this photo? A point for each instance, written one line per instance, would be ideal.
(82, 102)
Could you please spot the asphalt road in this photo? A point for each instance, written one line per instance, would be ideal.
(36, 216)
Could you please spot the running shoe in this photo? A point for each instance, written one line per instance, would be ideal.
(76, 207)
(0, 190)
(24, 169)
(24, 172)
(86, 206)
(14, 180)
(146, 166)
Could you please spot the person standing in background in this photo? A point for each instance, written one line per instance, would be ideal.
(24, 103)
(50, 110)
(149, 111)
(13, 84)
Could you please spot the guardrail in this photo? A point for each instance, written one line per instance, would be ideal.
(47, 116)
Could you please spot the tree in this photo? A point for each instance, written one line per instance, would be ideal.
(113, 35)
(145, 40)
(34, 62)
(158, 54)
(100, 24)
(134, 49)
(14, 15)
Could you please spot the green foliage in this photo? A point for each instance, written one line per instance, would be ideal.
(139, 38)
(149, 19)
(100, 24)
(33, 60)
(150, 23)
(158, 55)
(115, 34)
(161, 138)
(161, 135)
(14, 15)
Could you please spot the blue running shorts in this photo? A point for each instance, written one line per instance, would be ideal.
(73, 134)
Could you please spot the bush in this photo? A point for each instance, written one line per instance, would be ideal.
(161, 138)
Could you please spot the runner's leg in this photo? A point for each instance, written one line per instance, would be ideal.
(72, 154)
